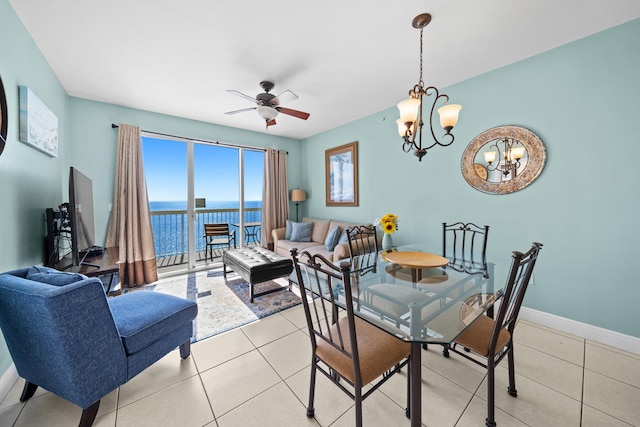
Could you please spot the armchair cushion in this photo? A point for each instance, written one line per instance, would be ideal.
(144, 317)
(52, 276)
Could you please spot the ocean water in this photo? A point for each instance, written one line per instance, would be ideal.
(182, 205)
(170, 231)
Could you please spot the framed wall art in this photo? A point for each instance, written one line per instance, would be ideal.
(38, 125)
(341, 170)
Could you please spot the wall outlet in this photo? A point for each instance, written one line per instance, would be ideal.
(532, 281)
(110, 206)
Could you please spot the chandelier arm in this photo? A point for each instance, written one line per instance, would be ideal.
(495, 144)
(429, 91)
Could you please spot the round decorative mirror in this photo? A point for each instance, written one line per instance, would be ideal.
(503, 160)
(3, 117)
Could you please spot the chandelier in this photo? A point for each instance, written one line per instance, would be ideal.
(410, 122)
(512, 152)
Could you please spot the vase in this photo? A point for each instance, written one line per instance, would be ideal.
(387, 242)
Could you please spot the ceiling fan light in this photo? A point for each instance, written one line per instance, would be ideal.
(267, 113)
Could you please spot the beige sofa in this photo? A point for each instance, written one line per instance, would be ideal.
(321, 227)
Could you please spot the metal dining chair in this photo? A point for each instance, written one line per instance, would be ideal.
(350, 352)
(465, 246)
(363, 250)
(487, 341)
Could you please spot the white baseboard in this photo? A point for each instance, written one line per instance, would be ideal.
(584, 330)
(7, 380)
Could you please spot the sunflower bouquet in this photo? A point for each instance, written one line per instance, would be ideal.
(388, 223)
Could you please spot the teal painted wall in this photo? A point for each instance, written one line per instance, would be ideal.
(581, 99)
(29, 180)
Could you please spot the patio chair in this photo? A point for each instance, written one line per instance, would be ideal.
(65, 336)
(491, 339)
(349, 351)
(216, 235)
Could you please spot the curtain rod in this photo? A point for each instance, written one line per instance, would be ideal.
(115, 126)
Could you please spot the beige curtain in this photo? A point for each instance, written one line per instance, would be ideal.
(130, 223)
(275, 195)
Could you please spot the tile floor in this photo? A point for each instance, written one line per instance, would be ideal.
(258, 375)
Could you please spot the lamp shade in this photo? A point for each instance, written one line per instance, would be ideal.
(517, 153)
(490, 156)
(298, 195)
(409, 110)
(449, 115)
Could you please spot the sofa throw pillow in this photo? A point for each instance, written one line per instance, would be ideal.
(301, 231)
(51, 276)
(343, 237)
(332, 239)
(287, 231)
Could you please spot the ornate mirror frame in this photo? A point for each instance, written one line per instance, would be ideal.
(536, 152)
(3, 117)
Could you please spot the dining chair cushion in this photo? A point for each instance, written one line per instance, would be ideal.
(379, 351)
(301, 231)
(51, 276)
(332, 239)
(477, 336)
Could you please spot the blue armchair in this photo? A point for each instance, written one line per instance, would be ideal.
(65, 335)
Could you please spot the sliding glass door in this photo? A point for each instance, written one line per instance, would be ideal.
(193, 183)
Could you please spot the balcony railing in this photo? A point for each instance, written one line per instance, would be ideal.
(170, 228)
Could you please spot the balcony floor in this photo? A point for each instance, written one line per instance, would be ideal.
(180, 262)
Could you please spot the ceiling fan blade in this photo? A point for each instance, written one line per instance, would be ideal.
(284, 97)
(295, 113)
(271, 122)
(242, 95)
(241, 111)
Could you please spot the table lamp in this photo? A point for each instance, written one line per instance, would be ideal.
(298, 196)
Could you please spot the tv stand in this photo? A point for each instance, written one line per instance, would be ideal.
(92, 252)
(94, 266)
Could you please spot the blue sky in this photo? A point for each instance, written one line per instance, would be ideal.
(215, 171)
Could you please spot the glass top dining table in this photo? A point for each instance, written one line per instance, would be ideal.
(394, 291)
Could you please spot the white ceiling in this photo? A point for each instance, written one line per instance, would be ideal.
(344, 59)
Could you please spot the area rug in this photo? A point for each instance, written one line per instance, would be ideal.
(223, 306)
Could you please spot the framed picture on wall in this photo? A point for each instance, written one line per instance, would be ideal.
(341, 171)
(38, 125)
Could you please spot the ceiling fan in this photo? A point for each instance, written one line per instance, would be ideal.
(268, 105)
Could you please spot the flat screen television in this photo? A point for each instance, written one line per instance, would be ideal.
(81, 215)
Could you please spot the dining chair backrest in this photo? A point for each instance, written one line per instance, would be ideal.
(465, 245)
(519, 276)
(325, 284)
(363, 249)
